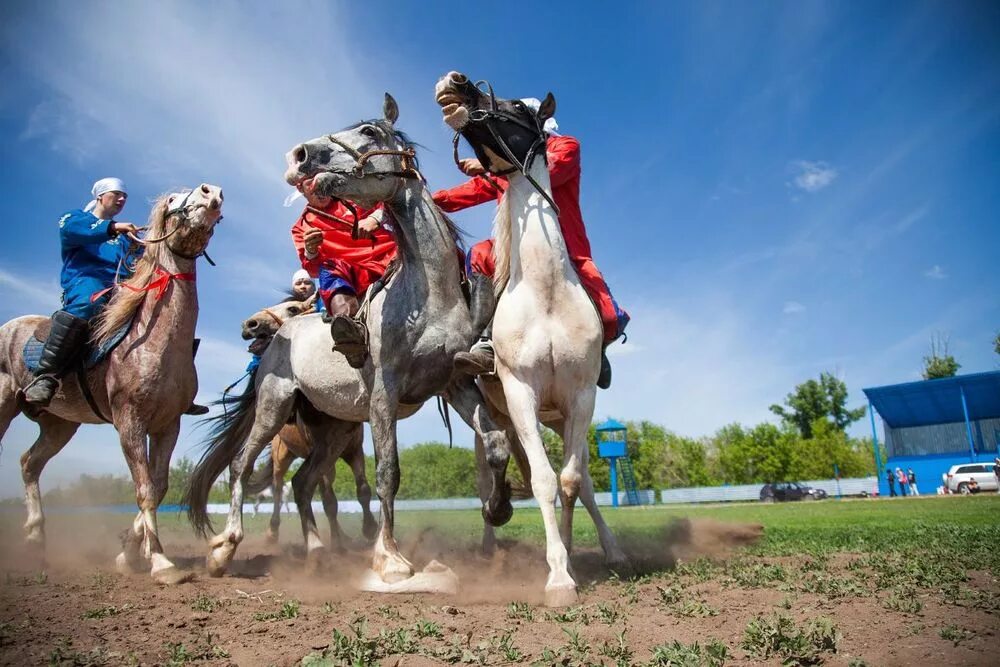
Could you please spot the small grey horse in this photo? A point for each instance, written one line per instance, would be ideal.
(415, 325)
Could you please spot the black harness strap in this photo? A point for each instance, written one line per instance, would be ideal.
(81, 378)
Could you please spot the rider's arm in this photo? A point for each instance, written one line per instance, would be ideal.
(473, 192)
(78, 228)
(563, 155)
(310, 264)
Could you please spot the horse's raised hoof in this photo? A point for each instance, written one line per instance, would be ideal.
(560, 596)
(497, 514)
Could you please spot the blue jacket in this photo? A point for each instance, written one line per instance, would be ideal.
(89, 249)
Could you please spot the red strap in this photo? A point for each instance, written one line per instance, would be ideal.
(99, 293)
(160, 282)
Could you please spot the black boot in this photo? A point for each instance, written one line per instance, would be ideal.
(480, 359)
(604, 379)
(64, 344)
(194, 408)
(350, 339)
(482, 301)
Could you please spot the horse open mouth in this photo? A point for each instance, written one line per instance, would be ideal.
(258, 345)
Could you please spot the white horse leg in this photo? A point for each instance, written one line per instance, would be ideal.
(53, 435)
(614, 557)
(560, 589)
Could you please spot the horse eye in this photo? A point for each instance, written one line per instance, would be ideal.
(369, 131)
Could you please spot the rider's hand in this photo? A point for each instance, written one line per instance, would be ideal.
(312, 240)
(368, 226)
(470, 166)
(123, 228)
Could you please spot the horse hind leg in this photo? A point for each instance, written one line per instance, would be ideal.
(354, 455)
(282, 458)
(53, 435)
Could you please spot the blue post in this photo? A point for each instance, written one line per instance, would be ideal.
(614, 481)
(836, 475)
(878, 459)
(968, 427)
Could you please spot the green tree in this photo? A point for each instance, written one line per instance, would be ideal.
(435, 470)
(940, 364)
(814, 458)
(761, 454)
(822, 399)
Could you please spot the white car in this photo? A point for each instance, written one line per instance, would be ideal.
(957, 479)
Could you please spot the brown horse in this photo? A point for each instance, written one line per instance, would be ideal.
(291, 443)
(144, 384)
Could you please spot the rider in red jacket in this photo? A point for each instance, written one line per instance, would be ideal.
(563, 157)
(345, 266)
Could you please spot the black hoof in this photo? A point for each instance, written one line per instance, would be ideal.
(497, 514)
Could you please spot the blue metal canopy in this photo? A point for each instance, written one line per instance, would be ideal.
(611, 425)
(943, 401)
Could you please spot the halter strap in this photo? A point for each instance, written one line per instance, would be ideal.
(161, 280)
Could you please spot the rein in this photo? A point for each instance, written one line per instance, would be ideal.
(161, 280)
(488, 118)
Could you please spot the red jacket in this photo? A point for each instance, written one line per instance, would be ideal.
(337, 242)
(563, 155)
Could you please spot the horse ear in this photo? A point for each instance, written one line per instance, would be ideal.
(548, 108)
(390, 110)
(311, 301)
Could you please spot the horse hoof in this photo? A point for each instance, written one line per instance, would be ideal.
(369, 530)
(171, 576)
(498, 515)
(217, 562)
(125, 564)
(621, 566)
(393, 575)
(560, 596)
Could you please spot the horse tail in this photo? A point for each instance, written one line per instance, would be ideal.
(501, 245)
(262, 478)
(227, 436)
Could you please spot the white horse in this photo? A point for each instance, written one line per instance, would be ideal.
(267, 496)
(546, 332)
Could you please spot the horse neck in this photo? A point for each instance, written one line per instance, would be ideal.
(536, 249)
(170, 321)
(425, 241)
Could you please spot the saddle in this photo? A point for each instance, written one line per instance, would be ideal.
(90, 357)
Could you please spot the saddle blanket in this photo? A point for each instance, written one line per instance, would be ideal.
(33, 347)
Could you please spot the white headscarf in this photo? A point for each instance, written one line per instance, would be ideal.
(551, 126)
(109, 184)
(301, 274)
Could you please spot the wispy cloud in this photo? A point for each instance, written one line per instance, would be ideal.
(793, 308)
(27, 294)
(935, 273)
(812, 176)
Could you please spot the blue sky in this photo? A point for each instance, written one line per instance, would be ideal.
(772, 189)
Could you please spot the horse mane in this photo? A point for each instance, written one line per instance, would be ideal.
(125, 302)
(501, 245)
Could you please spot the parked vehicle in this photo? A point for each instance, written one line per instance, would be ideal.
(782, 491)
(957, 479)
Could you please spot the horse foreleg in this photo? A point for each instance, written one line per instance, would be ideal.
(53, 435)
(338, 541)
(282, 459)
(161, 448)
(465, 397)
(387, 562)
(133, 436)
(354, 455)
(522, 404)
(304, 483)
(484, 484)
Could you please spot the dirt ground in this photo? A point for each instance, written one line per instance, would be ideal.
(269, 611)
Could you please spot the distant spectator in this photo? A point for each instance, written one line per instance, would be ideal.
(903, 481)
(974, 486)
(996, 471)
(891, 479)
(913, 481)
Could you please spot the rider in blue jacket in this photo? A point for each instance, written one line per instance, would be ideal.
(94, 250)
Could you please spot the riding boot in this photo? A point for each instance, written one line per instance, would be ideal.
(64, 344)
(480, 359)
(604, 379)
(194, 408)
(482, 301)
(350, 338)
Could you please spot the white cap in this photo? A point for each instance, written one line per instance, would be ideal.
(551, 126)
(102, 186)
(301, 274)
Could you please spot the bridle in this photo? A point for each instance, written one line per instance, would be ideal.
(279, 320)
(184, 210)
(489, 117)
(408, 170)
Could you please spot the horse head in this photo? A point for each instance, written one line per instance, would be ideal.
(193, 215)
(363, 163)
(262, 325)
(498, 129)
